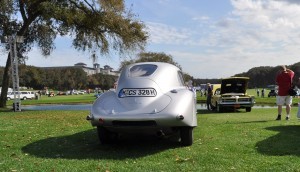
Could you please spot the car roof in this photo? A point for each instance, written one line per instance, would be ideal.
(166, 75)
(159, 64)
(161, 67)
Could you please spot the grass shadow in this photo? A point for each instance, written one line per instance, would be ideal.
(205, 111)
(85, 145)
(286, 142)
(258, 121)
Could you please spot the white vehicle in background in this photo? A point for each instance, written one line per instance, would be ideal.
(150, 98)
(23, 95)
(77, 92)
(81, 92)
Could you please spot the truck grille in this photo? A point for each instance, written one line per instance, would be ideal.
(237, 100)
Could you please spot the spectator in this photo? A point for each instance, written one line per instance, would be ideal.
(263, 92)
(208, 98)
(284, 81)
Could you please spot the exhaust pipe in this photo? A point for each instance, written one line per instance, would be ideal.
(88, 117)
(160, 133)
(180, 117)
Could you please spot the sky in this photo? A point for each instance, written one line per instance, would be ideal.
(208, 38)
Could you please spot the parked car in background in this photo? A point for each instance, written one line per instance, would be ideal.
(273, 93)
(216, 89)
(232, 95)
(150, 98)
(82, 92)
(23, 95)
(77, 92)
(61, 93)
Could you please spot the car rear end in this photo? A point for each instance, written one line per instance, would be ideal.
(141, 104)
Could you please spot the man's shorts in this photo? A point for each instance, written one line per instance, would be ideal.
(284, 100)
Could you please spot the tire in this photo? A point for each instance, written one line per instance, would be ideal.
(248, 109)
(8, 98)
(219, 109)
(186, 135)
(24, 98)
(103, 135)
(213, 107)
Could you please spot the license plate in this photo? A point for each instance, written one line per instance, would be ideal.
(237, 106)
(137, 92)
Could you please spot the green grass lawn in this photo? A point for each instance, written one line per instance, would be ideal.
(90, 98)
(64, 99)
(65, 141)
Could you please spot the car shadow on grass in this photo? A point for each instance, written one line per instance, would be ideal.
(205, 111)
(85, 145)
(286, 142)
(258, 121)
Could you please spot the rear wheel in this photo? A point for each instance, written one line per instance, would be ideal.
(219, 109)
(103, 135)
(248, 109)
(213, 107)
(186, 135)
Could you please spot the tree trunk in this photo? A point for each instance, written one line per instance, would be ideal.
(5, 83)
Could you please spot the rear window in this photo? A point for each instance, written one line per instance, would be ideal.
(180, 78)
(142, 70)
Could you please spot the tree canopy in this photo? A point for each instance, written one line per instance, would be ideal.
(102, 26)
(150, 57)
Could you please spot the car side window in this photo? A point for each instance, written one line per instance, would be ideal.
(142, 70)
(180, 78)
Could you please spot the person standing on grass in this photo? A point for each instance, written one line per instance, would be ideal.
(208, 98)
(284, 81)
(263, 92)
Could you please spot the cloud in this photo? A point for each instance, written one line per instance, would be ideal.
(208, 43)
(290, 1)
(164, 34)
(201, 18)
(225, 23)
(268, 14)
(274, 23)
(254, 33)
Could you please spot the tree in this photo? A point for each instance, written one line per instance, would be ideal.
(102, 25)
(103, 81)
(73, 78)
(30, 76)
(150, 57)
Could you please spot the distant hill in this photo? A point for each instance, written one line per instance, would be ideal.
(260, 77)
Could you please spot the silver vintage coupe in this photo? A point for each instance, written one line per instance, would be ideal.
(150, 98)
